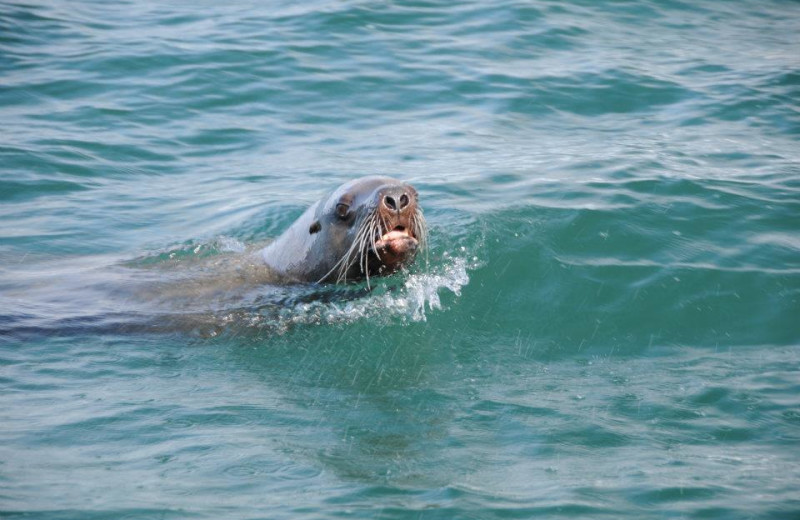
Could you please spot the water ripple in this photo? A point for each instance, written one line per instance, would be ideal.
(606, 324)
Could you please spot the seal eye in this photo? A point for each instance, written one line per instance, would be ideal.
(342, 210)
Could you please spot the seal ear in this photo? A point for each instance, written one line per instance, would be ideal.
(315, 227)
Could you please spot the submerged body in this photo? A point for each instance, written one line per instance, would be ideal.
(367, 227)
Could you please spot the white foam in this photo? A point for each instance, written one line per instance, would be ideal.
(422, 289)
(419, 295)
(226, 244)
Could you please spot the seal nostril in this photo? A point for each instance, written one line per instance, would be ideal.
(403, 201)
(390, 202)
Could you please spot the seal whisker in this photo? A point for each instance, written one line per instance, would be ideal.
(369, 240)
(355, 252)
(363, 260)
(420, 228)
(371, 229)
(344, 262)
(375, 231)
(385, 225)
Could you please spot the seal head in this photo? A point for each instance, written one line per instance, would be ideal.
(366, 227)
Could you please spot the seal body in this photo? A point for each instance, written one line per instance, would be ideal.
(367, 227)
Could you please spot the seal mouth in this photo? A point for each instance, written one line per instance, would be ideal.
(397, 235)
(395, 248)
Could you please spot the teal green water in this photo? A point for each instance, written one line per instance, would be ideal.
(607, 323)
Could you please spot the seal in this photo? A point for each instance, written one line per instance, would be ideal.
(371, 226)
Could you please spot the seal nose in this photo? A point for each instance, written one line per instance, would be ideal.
(395, 202)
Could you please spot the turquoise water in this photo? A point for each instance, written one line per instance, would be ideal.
(606, 324)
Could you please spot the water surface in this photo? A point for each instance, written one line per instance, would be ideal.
(605, 325)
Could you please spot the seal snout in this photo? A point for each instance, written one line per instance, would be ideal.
(397, 210)
(396, 242)
(396, 199)
(396, 203)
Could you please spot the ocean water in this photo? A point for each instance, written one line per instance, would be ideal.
(606, 323)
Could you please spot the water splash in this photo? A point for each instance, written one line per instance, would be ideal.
(420, 293)
(422, 289)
